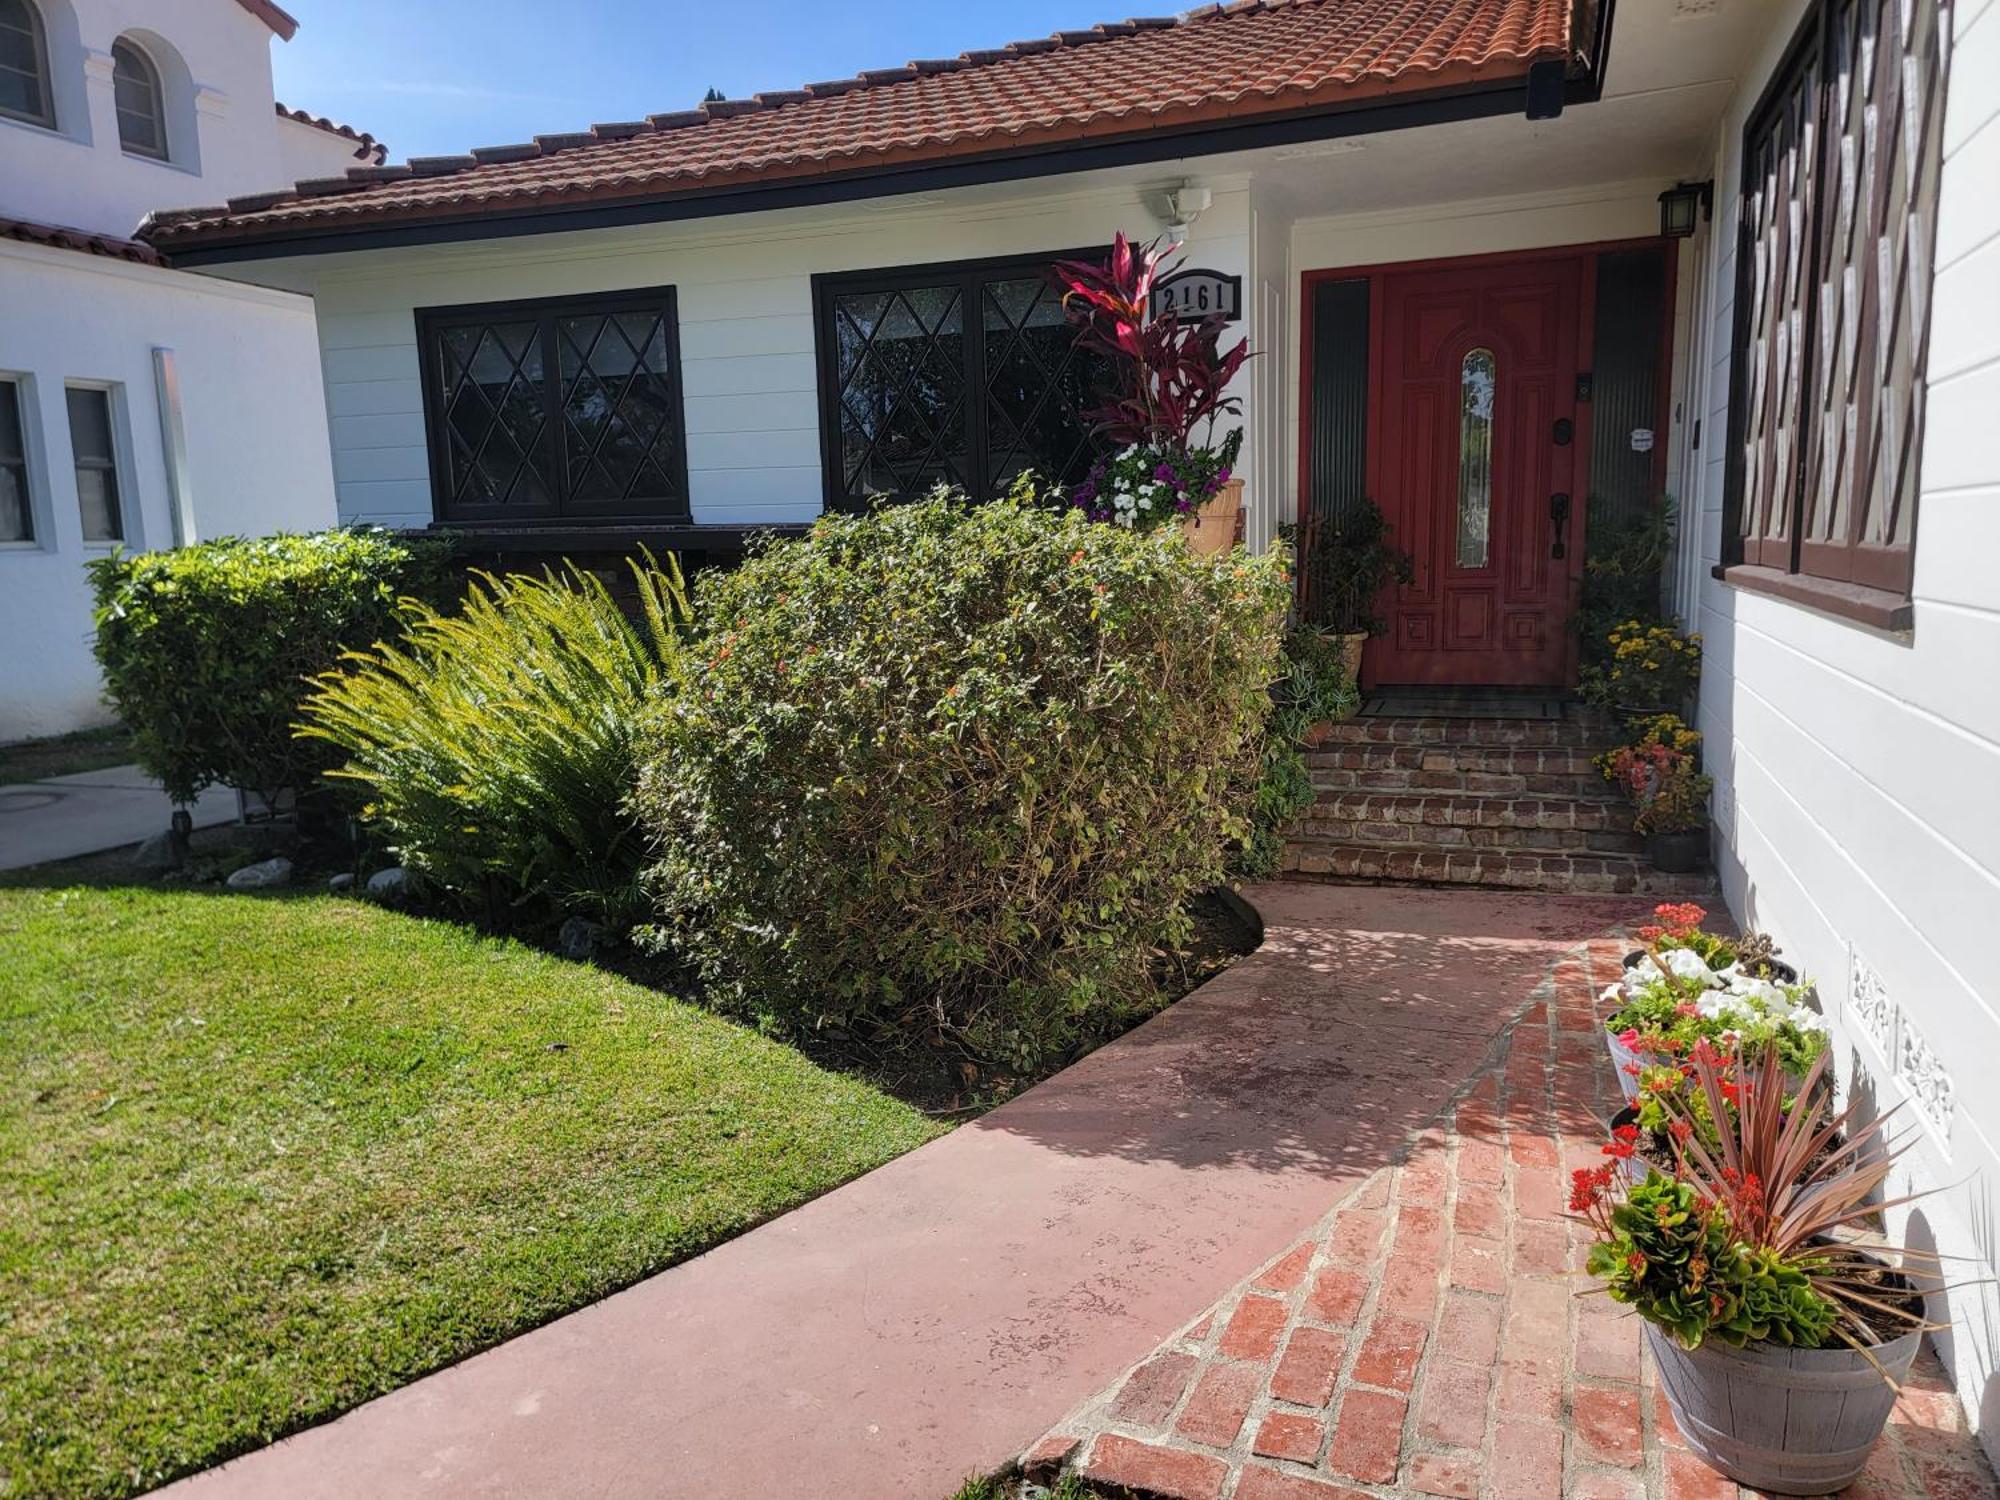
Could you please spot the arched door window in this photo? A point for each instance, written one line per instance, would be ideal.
(24, 65)
(142, 113)
(1475, 457)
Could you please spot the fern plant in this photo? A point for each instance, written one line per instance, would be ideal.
(496, 745)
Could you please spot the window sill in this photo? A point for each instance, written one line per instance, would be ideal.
(1877, 608)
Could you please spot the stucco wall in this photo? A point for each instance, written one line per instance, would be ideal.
(1855, 808)
(744, 292)
(214, 61)
(253, 413)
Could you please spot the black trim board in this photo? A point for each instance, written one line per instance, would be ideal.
(1313, 125)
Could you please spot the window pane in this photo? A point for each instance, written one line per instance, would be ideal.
(494, 411)
(23, 73)
(96, 464)
(621, 439)
(901, 364)
(1475, 456)
(135, 89)
(16, 515)
(1038, 385)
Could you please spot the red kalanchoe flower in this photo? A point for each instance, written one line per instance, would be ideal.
(1629, 1037)
(1679, 1129)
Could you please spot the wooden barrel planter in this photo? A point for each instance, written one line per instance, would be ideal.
(1787, 1421)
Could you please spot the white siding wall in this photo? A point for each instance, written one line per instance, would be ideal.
(744, 290)
(252, 411)
(1856, 812)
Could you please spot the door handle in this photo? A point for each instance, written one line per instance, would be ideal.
(1559, 519)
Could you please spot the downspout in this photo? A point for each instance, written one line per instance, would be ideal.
(173, 446)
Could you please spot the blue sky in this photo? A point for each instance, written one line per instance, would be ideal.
(432, 77)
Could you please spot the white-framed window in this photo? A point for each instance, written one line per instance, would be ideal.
(17, 490)
(141, 100)
(93, 443)
(27, 90)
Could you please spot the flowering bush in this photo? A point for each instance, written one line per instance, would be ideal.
(1170, 378)
(1735, 1240)
(1668, 730)
(1652, 669)
(1146, 486)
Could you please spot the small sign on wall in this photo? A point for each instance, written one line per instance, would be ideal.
(1194, 294)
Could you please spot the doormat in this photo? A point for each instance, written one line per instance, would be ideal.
(1461, 703)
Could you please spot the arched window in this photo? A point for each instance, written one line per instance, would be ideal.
(24, 65)
(142, 105)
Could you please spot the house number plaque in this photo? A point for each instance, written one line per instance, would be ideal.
(1195, 294)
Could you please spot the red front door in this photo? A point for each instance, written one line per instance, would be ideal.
(1475, 465)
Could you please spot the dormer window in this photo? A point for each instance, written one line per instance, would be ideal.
(142, 114)
(24, 65)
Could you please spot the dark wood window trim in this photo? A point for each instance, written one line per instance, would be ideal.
(977, 457)
(1832, 316)
(544, 492)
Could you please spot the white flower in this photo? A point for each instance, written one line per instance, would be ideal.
(1685, 963)
(1612, 995)
(1641, 974)
(1760, 992)
(1807, 1020)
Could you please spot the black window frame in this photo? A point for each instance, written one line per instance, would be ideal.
(149, 71)
(660, 301)
(1769, 551)
(38, 39)
(13, 393)
(971, 277)
(96, 463)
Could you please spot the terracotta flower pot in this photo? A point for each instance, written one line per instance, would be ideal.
(1211, 529)
(1785, 1421)
(1351, 647)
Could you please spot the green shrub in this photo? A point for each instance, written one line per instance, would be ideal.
(207, 650)
(1313, 689)
(1623, 573)
(953, 773)
(497, 745)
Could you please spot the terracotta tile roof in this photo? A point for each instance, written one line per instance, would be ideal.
(1225, 64)
(57, 237)
(367, 146)
(272, 17)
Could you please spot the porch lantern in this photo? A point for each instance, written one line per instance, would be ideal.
(1678, 204)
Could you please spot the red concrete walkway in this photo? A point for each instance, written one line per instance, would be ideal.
(934, 1317)
(1428, 1337)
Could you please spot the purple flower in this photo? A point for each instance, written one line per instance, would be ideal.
(1100, 515)
(1211, 486)
(1165, 473)
(1221, 478)
(1086, 492)
(1184, 505)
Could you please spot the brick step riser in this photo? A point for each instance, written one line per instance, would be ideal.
(1599, 815)
(1581, 874)
(1443, 836)
(1580, 786)
(1506, 758)
(1585, 734)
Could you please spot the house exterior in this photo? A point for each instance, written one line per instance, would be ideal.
(1441, 225)
(139, 405)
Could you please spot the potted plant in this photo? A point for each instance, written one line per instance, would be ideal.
(1671, 795)
(1649, 669)
(1345, 561)
(1169, 380)
(1779, 1337)
(1688, 987)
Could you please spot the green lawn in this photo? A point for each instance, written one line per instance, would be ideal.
(261, 1159)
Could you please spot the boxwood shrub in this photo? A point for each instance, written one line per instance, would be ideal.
(952, 773)
(496, 745)
(207, 649)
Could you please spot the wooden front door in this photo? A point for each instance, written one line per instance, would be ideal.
(1475, 463)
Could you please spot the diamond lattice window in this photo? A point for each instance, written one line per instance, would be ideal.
(566, 410)
(967, 376)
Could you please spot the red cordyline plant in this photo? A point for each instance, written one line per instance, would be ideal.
(1171, 375)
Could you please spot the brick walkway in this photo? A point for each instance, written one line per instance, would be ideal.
(1426, 1338)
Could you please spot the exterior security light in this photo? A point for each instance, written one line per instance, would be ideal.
(1678, 204)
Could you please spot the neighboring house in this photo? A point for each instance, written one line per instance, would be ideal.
(139, 406)
(1441, 223)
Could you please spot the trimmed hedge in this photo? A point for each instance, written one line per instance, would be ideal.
(497, 745)
(207, 650)
(954, 772)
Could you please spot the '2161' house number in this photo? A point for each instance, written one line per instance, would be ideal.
(1195, 294)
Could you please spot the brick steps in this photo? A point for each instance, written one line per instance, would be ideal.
(1515, 804)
